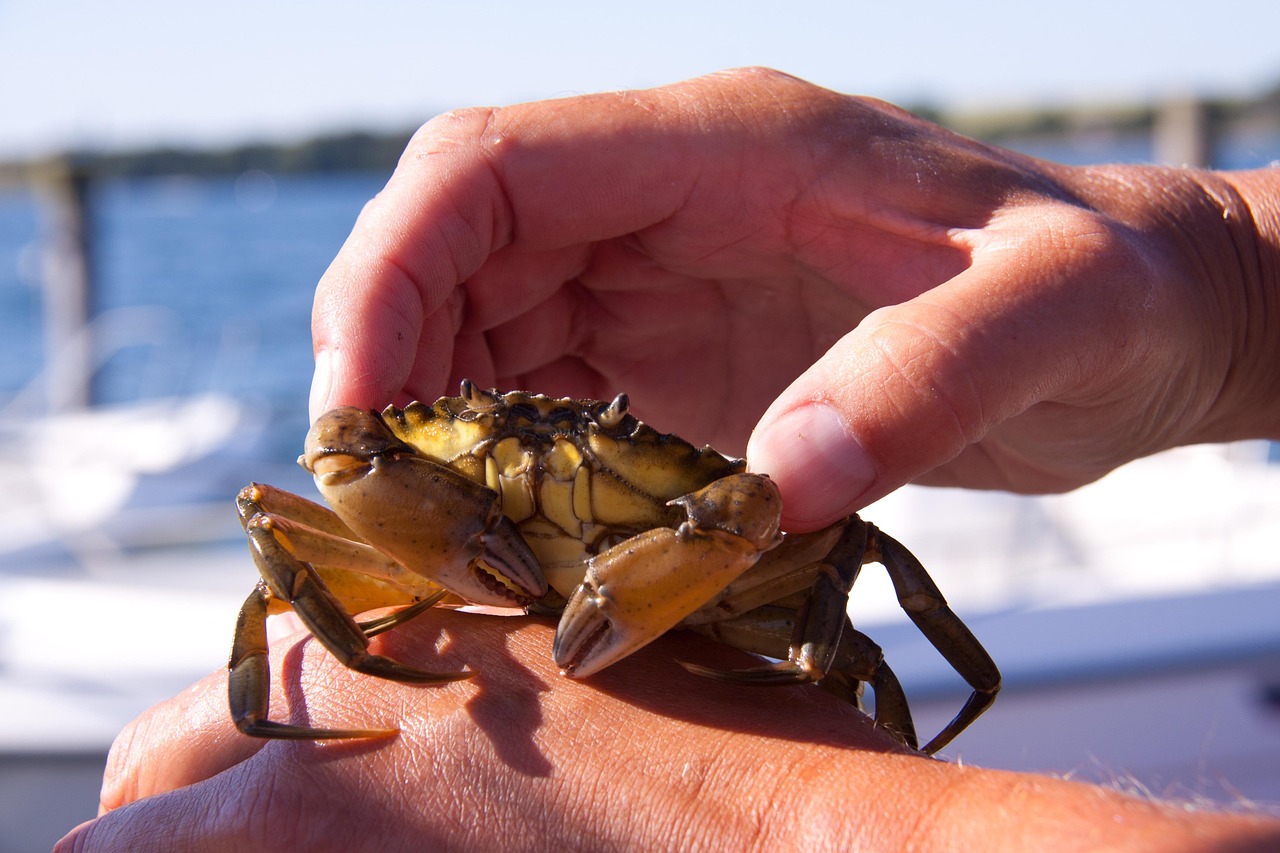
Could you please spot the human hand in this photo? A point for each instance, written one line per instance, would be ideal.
(641, 756)
(892, 301)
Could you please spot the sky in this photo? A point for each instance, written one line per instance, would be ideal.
(130, 73)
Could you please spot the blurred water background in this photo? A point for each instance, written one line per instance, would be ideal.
(1138, 623)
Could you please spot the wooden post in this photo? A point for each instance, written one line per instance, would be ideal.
(1183, 134)
(63, 186)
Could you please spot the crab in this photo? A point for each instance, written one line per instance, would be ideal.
(572, 508)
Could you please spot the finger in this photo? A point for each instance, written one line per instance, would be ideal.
(256, 805)
(916, 384)
(180, 820)
(469, 184)
(178, 742)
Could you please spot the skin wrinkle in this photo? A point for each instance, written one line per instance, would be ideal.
(966, 434)
(786, 816)
(1253, 301)
(493, 139)
(1174, 209)
(383, 302)
(578, 329)
(555, 277)
(119, 786)
(582, 328)
(746, 829)
(687, 826)
(882, 218)
(1205, 268)
(456, 304)
(384, 296)
(1082, 241)
(502, 218)
(686, 263)
(419, 764)
(724, 398)
(973, 433)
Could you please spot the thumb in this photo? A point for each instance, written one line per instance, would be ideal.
(916, 384)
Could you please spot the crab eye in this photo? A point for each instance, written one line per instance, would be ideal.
(475, 398)
(611, 415)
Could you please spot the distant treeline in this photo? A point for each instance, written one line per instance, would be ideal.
(367, 151)
(347, 152)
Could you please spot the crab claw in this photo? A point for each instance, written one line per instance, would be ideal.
(637, 590)
(427, 517)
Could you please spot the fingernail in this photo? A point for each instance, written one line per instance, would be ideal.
(321, 384)
(821, 469)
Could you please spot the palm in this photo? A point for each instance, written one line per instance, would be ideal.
(702, 356)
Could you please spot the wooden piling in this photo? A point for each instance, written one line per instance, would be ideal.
(62, 187)
(1183, 133)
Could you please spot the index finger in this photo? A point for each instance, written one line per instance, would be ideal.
(471, 182)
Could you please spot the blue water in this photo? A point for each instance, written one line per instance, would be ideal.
(232, 264)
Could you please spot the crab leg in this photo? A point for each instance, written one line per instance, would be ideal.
(249, 680)
(924, 604)
(767, 631)
(287, 578)
(642, 587)
(249, 671)
(820, 620)
(359, 575)
(261, 497)
(781, 573)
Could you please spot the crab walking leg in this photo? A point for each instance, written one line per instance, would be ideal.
(249, 680)
(262, 497)
(925, 605)
(359, 575)
(768, 631)
(248, 683)
(287, 578)
(637, 590)
(820, 619)
(785, 572)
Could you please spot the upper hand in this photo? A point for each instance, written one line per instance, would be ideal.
(890, 301)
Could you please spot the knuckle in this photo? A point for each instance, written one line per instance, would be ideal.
(451, 130)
